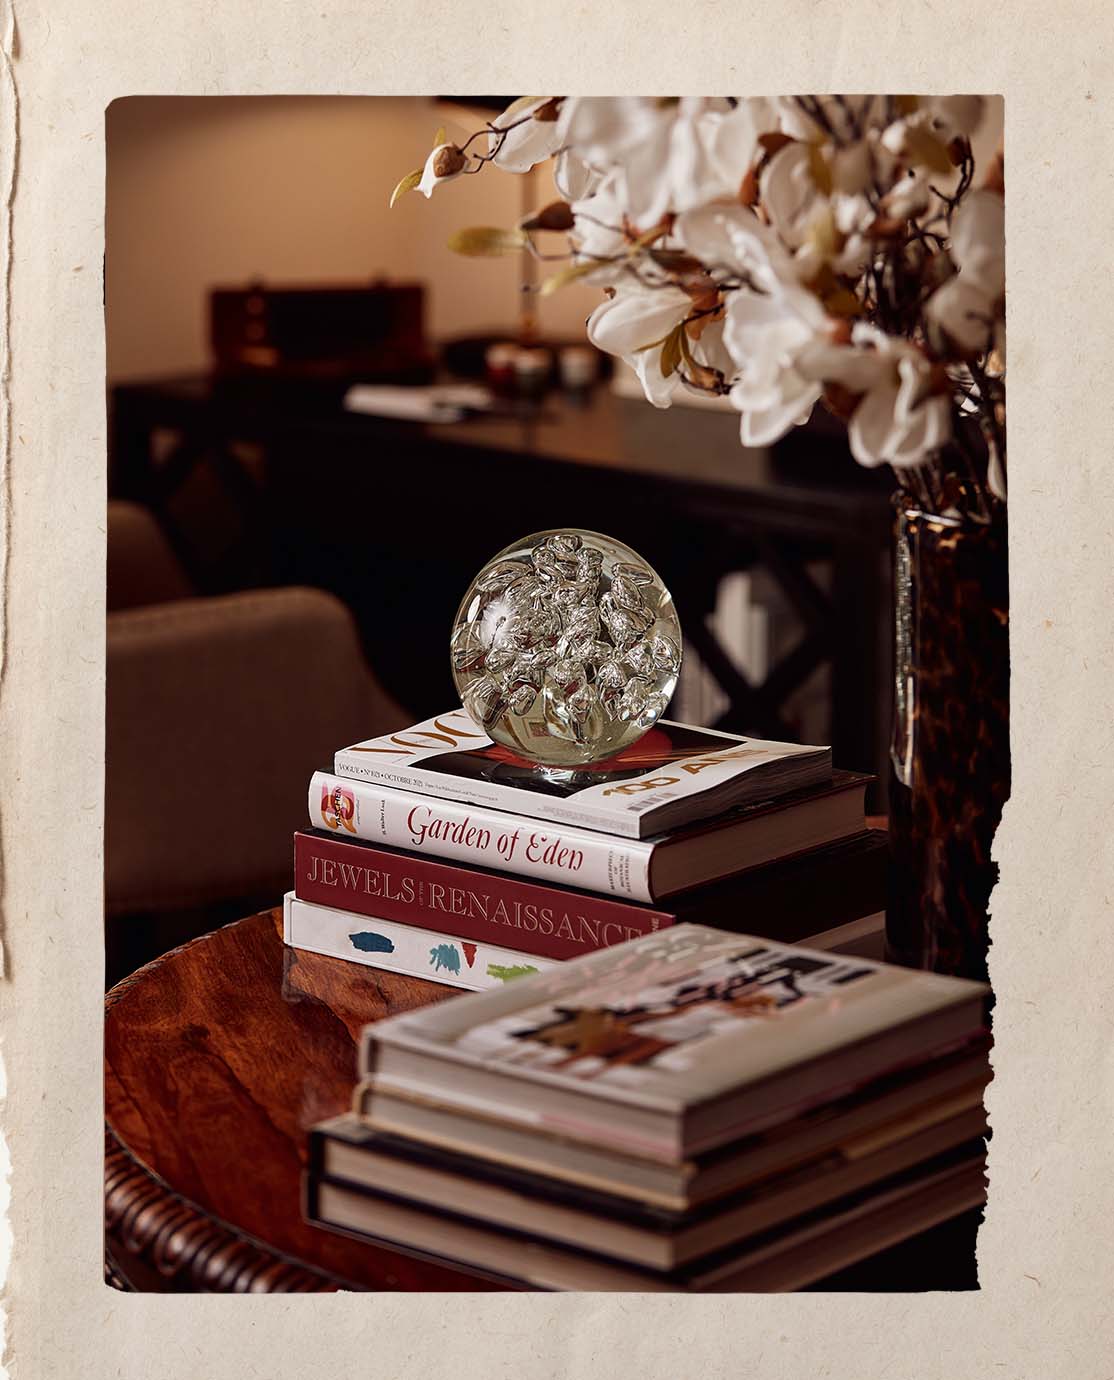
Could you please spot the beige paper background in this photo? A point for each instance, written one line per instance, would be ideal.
(1044, 1309)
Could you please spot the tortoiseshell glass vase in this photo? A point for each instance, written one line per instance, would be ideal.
(950, 754)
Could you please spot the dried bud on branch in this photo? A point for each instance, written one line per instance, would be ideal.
(448, 160)
(556, 216)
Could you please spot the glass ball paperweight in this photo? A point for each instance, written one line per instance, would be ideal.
(566, 648)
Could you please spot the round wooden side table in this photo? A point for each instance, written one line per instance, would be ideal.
(219, 1056)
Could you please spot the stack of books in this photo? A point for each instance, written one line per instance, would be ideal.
(436, 853)
(690, 1111)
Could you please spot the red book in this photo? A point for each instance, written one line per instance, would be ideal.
(788, 900)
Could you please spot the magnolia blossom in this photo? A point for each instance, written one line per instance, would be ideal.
(634, 325)
(671, 155)
(528, 140)
(902, 418)
(781, 251)
(968, 305)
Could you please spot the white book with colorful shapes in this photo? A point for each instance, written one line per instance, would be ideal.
(395, 948)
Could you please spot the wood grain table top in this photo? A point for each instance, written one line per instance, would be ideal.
(219, 1057)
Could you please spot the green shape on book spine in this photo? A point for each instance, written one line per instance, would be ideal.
(504, 972)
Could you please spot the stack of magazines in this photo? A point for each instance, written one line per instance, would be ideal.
(693, 1110)
(436, 853)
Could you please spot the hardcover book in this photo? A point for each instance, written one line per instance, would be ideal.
(674, 1043)
(789, 900)
(673, 775)
(405, 949)
(636, 869)
(786, 1257)
(907, 1097)
(637, 1232)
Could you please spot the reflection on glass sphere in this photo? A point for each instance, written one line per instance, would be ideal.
(566, 647)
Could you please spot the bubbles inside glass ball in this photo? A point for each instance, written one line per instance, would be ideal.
(566, 647)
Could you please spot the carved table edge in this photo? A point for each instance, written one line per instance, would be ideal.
(124, 986)
(148, 1222)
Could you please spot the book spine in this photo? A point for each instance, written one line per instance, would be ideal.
(481, 837)
(485, 907)
(405, 949)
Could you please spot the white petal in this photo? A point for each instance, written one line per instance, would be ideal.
(634, 318)
(978, 241)
(526, 145)
(733, 139)
(764, 426)
(996, 475)
(648, 192)
(871, 424)
(788, 191)
(574, 179)
(963, 312)
(600, 128)
(711, 349)
(927, 429)
(856, 370)
(658, 389)
(730, 238)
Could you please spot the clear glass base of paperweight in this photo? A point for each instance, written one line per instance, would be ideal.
(566, 648)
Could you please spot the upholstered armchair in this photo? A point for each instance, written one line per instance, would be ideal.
(218, 710)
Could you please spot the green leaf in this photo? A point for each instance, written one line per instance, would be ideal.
(567, 275)
(671, 351)
(405, 184)
(651, 344)
(440, 138)
(487, 241)
(647, 237)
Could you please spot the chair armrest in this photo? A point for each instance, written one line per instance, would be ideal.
(218, 711)
(142, 569)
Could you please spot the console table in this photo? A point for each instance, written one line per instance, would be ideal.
(220, 1055)
(396, 517)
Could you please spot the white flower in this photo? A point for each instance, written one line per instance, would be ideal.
(575, 179)
(766, 335)
(527, 141)
(637, 317)
(789, 193)
(978, 241)
(672, 153)
(764, 330)
(444, 164)
(732, 240)
(968, 305)
(943, 117)
(599, 231)
(901, 420)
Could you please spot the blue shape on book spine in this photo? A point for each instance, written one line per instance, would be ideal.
(368, 942)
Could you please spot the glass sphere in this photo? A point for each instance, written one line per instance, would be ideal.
(566, 648)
